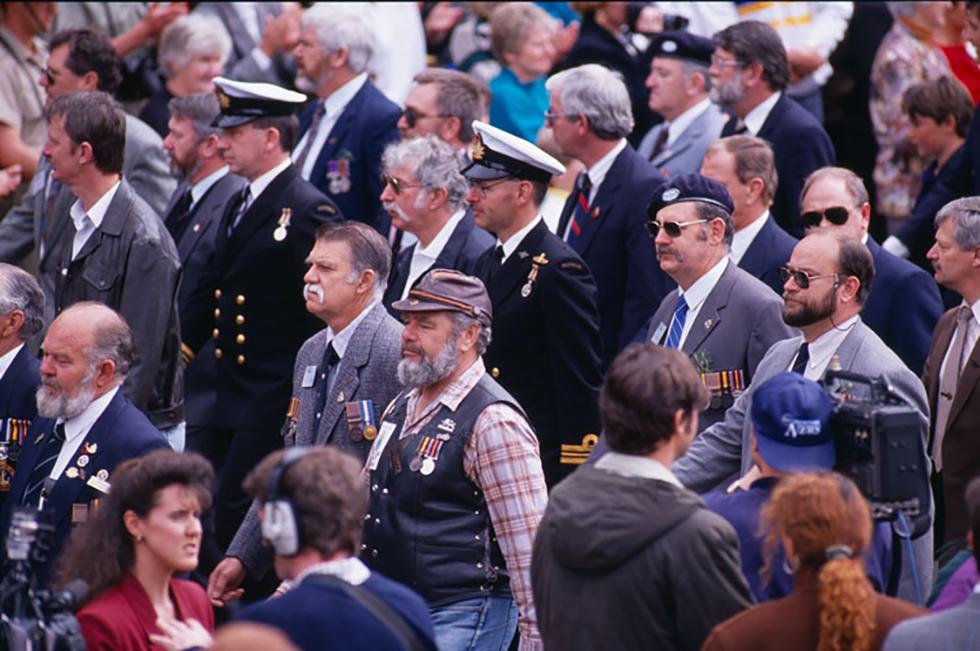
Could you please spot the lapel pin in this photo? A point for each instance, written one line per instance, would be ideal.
(522, 255)
(38, 438)
(196, 228)
(82, 461)
(71, 473)
(103, 475)
(340, 397)
(707, 323)
(595, 213)
(91, 448)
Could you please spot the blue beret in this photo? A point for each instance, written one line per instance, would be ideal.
(790, 416)
(684, 46)
(690, 187)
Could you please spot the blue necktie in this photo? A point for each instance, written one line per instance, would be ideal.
(581, 211)
(677, 325)
(42, 469)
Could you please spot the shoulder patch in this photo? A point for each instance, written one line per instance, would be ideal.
(326, 208)
(572, 264)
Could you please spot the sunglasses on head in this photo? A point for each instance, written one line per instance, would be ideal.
(802, 278)
(673, 229)
(836, 215)
(412, 116)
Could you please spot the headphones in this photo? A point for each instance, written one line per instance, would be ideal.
(280, 521)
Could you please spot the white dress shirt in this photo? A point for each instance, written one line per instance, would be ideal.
(258, 186)
(7, 359)
(757, 116)
(77, 428)
(333, 106)
(424, 257)
(823, 348)
(696, 295)
(200, 188)
(742, 240)
(87, 222)
(515, 240)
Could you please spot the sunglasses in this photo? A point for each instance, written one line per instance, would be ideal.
(836, 215)
(673, 229)
(801, 278)
(412, 116)
(397, 184)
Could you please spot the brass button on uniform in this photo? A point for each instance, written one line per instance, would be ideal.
(215, 333)
(217, 313)
(240, 339)
(217, 353)
(240, 320)
(240, 299)
(495, 372)
(241, 359)
(217, 293)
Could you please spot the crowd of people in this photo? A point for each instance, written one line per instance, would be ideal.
(476, 326)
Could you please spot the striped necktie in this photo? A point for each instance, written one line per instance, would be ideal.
(677, 324)
(42, 469)
(581, 210)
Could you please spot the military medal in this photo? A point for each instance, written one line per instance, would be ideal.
(280, 233)
(71, 473)
(426, 455)
(532, 276)
(3, 452)
(361, 423)
(428, 466)
(82, 461)
(338, 176)
(416, 463)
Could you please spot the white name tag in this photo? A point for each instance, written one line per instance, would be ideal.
(387, 427)
(658, 333)
(309, 376)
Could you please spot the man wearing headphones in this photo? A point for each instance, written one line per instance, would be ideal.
(312, 506)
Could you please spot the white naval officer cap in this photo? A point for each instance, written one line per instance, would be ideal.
(244, 101)
(497, 154)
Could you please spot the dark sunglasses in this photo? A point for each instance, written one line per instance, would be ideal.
(397, 184)
(836, 215)
(673, 229)
(801, 278)
(412, 116)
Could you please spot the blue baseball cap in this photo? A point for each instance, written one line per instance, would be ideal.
(790, 416)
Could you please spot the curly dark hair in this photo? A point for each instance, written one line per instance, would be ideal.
(100, 552)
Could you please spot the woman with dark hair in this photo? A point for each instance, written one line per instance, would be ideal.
(823, 524)
(146, 530)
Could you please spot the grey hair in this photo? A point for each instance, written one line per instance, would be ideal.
(852, 182)
(965, 213)
(710, 212)
(434, 163)
(201, 109)
(597, 93)
(111, 338)
(341, 30)
(691, 68)
(463, 321)
(190, 36)
(19, 290)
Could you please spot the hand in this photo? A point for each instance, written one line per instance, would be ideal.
(281, 32)
(743, 482)
(224, 581)
(441, 20)
(161, 14)
(650, 21)
(563, 38)
(178, 635)
(10, 178)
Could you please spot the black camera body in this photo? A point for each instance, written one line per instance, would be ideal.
(880, 444)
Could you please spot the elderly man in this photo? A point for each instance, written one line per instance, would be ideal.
(602, 221)
(546, 347)
(344, 132)
(679, 85)
(452, 454)
(720, 315)
(444, 103)
(749, 72)
(424, 193)
(87, 427)
(80, 60)
(745, 165)
(827, 281)
(118, 248)
(21, 319)
(249, 300)
(635, 592)
(950, 373)
(344, 375)
(904, 303)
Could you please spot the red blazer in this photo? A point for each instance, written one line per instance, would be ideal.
(122, 618)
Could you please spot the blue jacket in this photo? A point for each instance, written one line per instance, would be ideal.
(903, 307)
(769, 251)
(122, 432)
(366, 125)
(518, 108)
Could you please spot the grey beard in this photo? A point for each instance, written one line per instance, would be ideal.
(61, 406)
(429, 370)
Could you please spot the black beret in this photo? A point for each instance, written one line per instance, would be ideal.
(690, 187)
(684, 46)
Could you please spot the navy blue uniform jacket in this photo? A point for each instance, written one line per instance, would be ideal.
(801, 146)
(769, 251)
(366, 125)
(618, 250)
(122, 432)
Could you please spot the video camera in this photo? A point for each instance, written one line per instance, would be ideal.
(880, 443)
(33, 618)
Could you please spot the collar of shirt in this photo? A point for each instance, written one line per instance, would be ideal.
(340, 98)
(22, 53)
(597, 173)
(515, 240)
(350, 569)
(451, 396)
(743, 239)
(438, 243)
(7, 359)
(77, 428)
(684, 120)
(342, 338)
(257, 186)
(96, 213)
(823, 348)
(698, 292)
(757, 116)
(199, 189)
(632, 465)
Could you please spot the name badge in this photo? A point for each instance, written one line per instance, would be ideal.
(309, 376)
(98, 484)
(378, 447)
(658, 333)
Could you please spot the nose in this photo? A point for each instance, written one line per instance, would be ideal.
(650, 83)
(387, 194)
(194, 527)
(168, 143)
(472, 195)
(46, 366)
(310, 277)
(662, 238)
(933, 252)
(402, 123)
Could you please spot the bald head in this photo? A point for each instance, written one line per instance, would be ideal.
(105, 333)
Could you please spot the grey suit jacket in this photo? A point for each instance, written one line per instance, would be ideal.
(37, 219)
(367, 372)
(956, 628)
(687, 152)
(737, 323)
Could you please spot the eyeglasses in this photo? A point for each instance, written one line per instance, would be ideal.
(482, 188)
(397, 184)
(673, 229)
(49, 76)
(716, 61)
(802, 278)
(412, 116)
(550, 117)
(836, 215)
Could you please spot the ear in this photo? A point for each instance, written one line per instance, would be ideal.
(437, 198)
(449, 130)
(208, 148)
(14, 324)
(849, 288)
(105, 373)
(365, 283)
(272, 139)
(975, 262)
(133, 524)
(694, 85)
(756, 186)
(754, 71)
(338, 58)
(85, 153)
(467, 339)
(866, 213)
(716, 228)
(90, 80)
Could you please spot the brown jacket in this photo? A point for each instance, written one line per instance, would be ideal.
(793, 622)
(961, 453)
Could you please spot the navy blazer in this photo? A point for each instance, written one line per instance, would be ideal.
(122, 432)
(615, 245)
(769, 251)
(462, 249)
(903, 307)
(366, 125)
(801, 146)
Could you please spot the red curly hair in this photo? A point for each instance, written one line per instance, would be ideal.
(816, 513)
